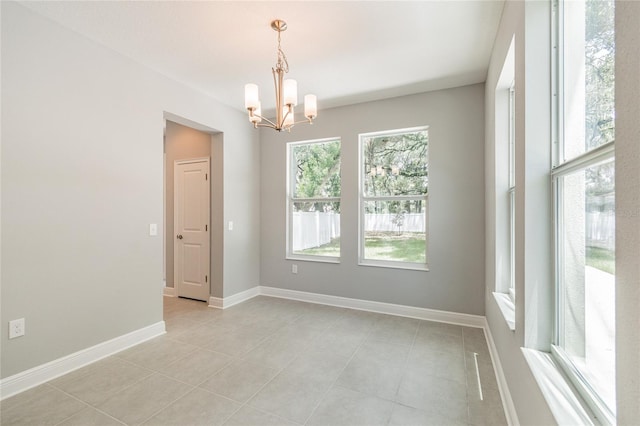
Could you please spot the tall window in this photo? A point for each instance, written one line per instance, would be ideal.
(394, 198)
(314, 200)
(584, 201)
(505, 185)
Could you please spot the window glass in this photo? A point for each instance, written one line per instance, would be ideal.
(587, 242)
(588, 75)
(314, 201)
(584, 202)
(395, 230)
(395, 164)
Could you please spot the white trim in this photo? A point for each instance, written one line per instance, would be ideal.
(313, 258)
(507, 402)
(227, 302)
(582, 386)
(466, 320)
(508, 309)
(561, 398)
(395, 264)
(379, 307)
(43, 373)
(169, 291)
(192, 161)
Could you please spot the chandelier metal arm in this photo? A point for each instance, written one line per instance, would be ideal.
(256, 125)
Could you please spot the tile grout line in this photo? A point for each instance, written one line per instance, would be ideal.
(87, 405)
(466, 379)
(337, 377)
(242, 404)
(404, 366)
(246, 403)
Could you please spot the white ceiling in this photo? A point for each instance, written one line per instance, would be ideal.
(344, 52)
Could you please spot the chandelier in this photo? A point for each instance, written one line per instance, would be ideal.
(286, 95)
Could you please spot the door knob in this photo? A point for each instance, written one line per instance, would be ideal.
(179, 236)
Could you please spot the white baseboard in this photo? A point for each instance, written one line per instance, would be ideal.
(169, 291)
(507, 402)
(227, 302)
(43, 373)
(379, 307)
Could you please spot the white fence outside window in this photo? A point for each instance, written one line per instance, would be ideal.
(314, 229)
(600, 229)
(383, 222)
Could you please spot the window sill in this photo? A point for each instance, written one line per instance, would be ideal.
(394, 265)
(507, 308)
(319, 259)
(563, 402)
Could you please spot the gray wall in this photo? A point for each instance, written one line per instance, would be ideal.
(181, 143)
(82, 130)
(456, 204)
(627, 212)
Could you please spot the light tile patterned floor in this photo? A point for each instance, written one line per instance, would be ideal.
(272, 361)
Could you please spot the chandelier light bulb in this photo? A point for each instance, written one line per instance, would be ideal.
(310, 106)
(251, 98)
(290, 92)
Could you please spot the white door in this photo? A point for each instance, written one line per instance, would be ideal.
(191, 226)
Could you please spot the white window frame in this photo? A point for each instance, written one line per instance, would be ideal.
(505, 182)
(290, 255)
(512, 192)
(362, 261)
(563, 167)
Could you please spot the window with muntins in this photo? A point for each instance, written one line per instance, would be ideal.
(394, 204)
(314, 200)
(583, 179)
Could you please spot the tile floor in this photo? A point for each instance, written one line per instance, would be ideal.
(272, 361)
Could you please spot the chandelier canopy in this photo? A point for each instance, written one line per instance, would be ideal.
(286, 95)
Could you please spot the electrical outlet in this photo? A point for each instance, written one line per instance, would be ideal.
(16, 328)
(294, 269)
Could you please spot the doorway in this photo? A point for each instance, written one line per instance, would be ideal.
(187, 143)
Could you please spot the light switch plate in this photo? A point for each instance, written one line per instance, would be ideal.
(230, 225)
(153, 229)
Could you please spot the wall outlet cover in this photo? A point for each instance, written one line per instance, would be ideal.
(16, 328)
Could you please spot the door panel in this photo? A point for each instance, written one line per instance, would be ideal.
(191, 215)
